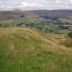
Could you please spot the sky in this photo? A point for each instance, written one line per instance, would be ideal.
(35, 4)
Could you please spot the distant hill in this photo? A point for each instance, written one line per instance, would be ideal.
(54, 12)
(18, 14)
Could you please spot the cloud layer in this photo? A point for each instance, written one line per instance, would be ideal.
(35, 4)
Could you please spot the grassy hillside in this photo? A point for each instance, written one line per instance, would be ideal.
(30, 50)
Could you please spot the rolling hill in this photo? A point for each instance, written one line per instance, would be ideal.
(36, 41)
(53, 21)
(18, 14)
(32, 50)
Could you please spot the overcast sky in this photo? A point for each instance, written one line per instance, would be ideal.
(35, 4)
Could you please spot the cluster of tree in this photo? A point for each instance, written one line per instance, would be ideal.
(49, 24)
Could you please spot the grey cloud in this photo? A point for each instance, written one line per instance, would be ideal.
(35, 4)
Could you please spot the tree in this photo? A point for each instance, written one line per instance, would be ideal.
(70, 34)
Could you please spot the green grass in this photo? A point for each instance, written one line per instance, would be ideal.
(26, 50)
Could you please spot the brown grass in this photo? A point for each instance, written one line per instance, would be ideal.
(56, 41)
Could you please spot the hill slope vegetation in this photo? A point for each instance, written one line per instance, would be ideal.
(31, 50)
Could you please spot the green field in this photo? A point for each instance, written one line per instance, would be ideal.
(30, 50)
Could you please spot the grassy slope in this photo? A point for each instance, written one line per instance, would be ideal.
(29, 50)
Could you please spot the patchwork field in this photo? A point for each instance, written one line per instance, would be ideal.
(31, 50)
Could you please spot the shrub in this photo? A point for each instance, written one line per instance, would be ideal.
(70, 35)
